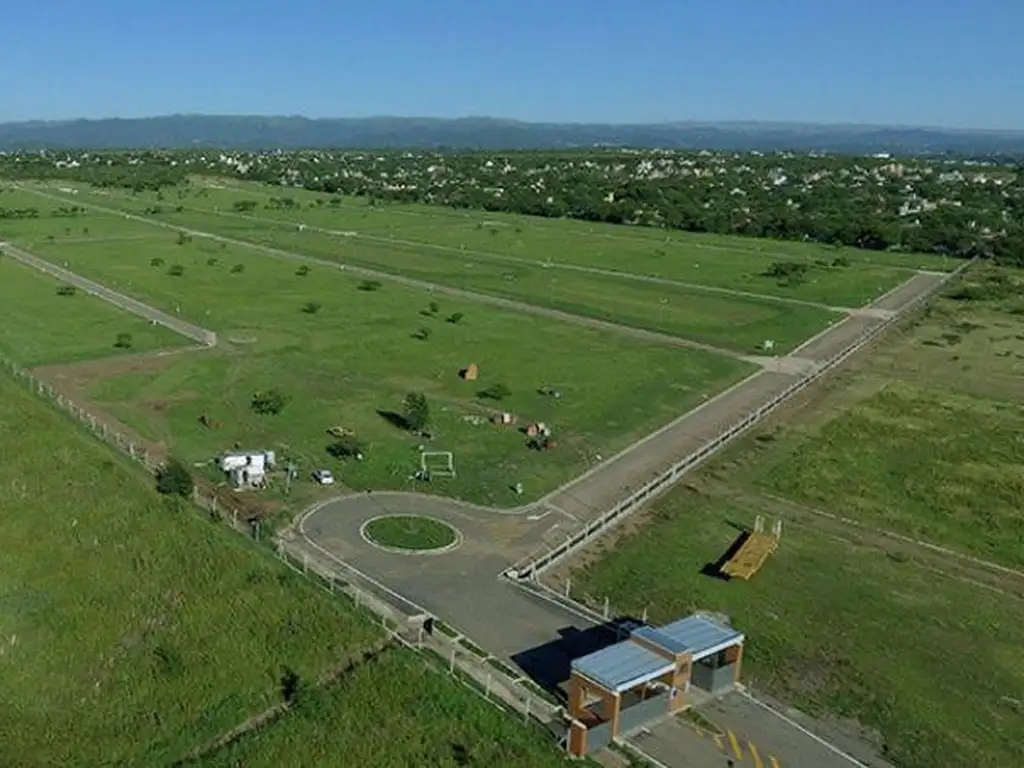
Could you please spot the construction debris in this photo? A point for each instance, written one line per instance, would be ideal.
(470, 372)
(504, 419)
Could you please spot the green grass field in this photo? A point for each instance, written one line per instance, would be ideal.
(410, 532)
(395, 711)
(133, 630)
(358, 356)
(40, 326)
(921, 440)
(737, 322)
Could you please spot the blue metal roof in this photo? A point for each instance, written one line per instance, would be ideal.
(700, 635)
(621, 666)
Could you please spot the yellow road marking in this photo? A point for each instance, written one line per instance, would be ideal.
(753, 754)
(735, 745)
(775, 763)
(717, 738)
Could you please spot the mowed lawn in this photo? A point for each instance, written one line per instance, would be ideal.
(705, 259)
(394, 711)
(836, 628)
(38, 326)
(133, 630)
(352, 362)
(737, 322)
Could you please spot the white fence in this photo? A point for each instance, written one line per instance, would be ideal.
(534, 567)
(202, 335)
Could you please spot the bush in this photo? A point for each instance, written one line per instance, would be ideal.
(123, 341)
(433, 307)
(311, 307)
(238, 269)
(176, 270)
(369, 285)
(346, 447)
(174, 479)
(455, 318)
(156, 261)
(65, 290)
(416, 411)
(496, 392)
(269, 403)
(302, 271)
(183, 238)
(787, 270)
(422, 334)
(212, 261)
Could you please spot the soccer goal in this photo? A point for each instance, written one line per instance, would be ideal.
(437, 463)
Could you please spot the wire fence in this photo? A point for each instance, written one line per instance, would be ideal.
(498, 683)
(532, 567)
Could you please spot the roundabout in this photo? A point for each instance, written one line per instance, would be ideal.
(410, 534)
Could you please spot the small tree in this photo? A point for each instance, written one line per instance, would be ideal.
(123, 341)
(302, 271)
(416, 411)
(176, 270)
(212, 261)
(455, 318)
(183, 238)
(311, 307)
(156, 261)
(434, 307)
(65, 290)
(269, 403)
(496, 392)
(347, 447)
(174, 479)
(238, 269)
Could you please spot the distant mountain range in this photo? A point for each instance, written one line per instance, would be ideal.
(256, 133)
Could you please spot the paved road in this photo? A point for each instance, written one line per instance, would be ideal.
(176, 324)
(522, 307)
(462, 585)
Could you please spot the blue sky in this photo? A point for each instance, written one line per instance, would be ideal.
(912, 62)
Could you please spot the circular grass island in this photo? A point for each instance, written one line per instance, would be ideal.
(410, 533)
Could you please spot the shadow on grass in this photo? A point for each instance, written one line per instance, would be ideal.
(394, 419)
(714, 570)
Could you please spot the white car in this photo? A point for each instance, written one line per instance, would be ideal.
(323, 477)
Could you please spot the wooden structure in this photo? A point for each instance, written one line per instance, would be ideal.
(470, 372)
(648, 675)
(755, 549)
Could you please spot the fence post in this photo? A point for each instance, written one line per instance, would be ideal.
(606, 607)
(487, 688)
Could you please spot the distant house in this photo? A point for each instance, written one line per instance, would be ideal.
(247, 469)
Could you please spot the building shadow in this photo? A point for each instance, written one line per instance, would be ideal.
(549, 665)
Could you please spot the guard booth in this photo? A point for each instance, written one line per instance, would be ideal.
(656, 671)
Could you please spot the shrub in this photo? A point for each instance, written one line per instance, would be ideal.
(455, 318)
(176, 270)
(123, 341)
(65, 290)
(422, 334)
(174, 479)
(269, 403)
(311, 307)
(416, 411)
(183, 238)
(156, 261)
(369, 285)
(346, 447)
(302, 271)
(238, 269)
(496, 392)
(434, 307)
(791, 272)
(212, 261)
